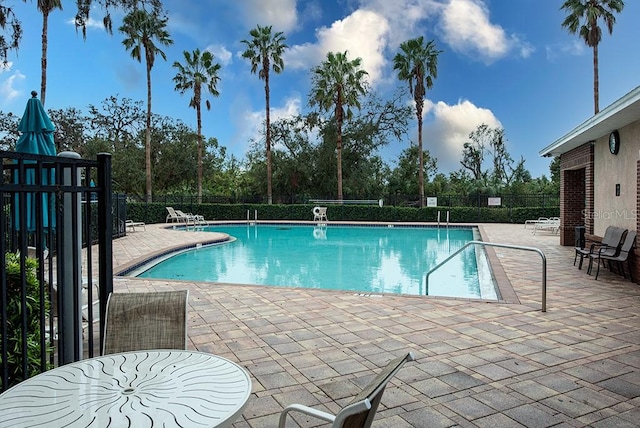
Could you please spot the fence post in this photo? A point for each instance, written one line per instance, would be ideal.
(105, 231)
(70, 274)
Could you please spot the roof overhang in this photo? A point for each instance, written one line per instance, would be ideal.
(621, 113)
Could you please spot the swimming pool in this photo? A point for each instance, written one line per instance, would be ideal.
(359, 259)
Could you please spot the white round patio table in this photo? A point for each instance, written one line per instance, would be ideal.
(159, 388)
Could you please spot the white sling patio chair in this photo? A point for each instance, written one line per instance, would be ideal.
(362, 409)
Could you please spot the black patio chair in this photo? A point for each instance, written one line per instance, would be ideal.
(622, 256)
(583, 252)
(611, 249)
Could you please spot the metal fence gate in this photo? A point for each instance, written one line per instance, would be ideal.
(56, 268)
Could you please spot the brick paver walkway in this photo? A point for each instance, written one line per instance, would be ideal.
(478, 364)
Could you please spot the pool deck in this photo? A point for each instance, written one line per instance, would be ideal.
(478, 364)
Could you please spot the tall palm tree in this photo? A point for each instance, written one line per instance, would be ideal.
(417, 63)
(141, 29)
(265, 50)
(45, 7)
(583, 19)
(337, 84)
(198, 70)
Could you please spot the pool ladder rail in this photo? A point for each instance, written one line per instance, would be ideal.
(255, 218)
(514, 247)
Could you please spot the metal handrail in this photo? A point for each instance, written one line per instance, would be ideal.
(515, 247)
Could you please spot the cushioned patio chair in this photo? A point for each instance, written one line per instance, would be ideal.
(622, 256)
(359, 413)
(610, 249)
(143, 321)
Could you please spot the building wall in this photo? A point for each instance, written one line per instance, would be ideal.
(588, 179)
(611, 170)
(576, 192)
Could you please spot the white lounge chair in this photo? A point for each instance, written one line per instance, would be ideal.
(534, 222)
(130, 224)
(552, 225)
(174, 217)
(190, 218)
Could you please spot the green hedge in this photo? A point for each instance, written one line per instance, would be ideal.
(156, 213)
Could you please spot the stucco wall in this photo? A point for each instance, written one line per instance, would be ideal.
(610, 170)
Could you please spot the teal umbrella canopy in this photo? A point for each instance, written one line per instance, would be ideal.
(36, 138)
(36, 130)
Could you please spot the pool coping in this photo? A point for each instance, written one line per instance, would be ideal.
(506, 293)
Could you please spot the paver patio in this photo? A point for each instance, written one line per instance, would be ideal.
(479, 364)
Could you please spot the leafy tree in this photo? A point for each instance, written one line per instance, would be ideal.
(265, 50)
(337, 84)
(197, 71)
(45, 7)
(141, 29)
(295, 158)
(117, 120)
(583, 19)
(70, 132)
(85, 6)
(10, 23)
(9, 130)
(417, 63)
(554, 170)
(174, 156)
(402, 178)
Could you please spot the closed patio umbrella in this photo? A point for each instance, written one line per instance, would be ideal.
(36, 137)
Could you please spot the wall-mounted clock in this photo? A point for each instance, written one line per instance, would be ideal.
(614, 142)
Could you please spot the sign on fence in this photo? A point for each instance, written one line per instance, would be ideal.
(494, 202)
(432, 202)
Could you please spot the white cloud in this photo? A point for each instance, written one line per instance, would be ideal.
(467, 29)
(574, 48)
(446, 134)
(91, 23)
(281, 14)
(404, 16)
(8, 87)
(221, 54)
(362, 34)
(253, 120)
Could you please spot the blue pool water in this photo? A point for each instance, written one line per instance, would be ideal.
(360, 259)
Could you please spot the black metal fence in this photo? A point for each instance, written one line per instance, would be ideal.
(53, 283)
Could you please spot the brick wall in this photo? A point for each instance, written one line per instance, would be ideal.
(576, 192)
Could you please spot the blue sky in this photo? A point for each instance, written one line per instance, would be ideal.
(505, 63)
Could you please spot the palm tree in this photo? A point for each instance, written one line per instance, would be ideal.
(45, 7)
(583, 19)
(337, 84)
(265, 50)
(417, 64)
(141, 28)
(197, 71)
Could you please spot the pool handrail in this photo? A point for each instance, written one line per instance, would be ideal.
(515, 247)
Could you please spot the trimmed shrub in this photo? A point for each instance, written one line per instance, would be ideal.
(34, 314)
